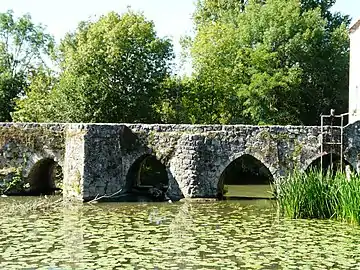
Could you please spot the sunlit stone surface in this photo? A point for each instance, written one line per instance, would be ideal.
(96, 158)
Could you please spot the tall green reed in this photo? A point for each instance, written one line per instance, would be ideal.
(348, 196)
(314, 194)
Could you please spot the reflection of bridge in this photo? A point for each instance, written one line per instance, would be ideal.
(99, 159)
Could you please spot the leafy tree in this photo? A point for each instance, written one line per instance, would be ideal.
(215, 10)
(38, 103)
(111, 71)
(284, 62)
(171, 108)
(334, 19)
(23, 47)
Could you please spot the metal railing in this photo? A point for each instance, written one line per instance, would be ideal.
(333, 142)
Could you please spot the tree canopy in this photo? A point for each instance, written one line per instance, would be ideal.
(24, 46)
(281, 62)
(111, 71)
(254, 62)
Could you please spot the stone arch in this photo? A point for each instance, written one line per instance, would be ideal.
(147, 172)
(245, 169)
(44, 177)
(327, 157)
(273, 170)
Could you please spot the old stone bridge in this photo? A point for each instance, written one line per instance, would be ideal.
(100, 159)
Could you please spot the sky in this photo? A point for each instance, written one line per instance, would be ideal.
(172, 18)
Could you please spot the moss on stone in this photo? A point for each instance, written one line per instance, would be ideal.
(34, 138)
(264, 135)
(297, 150)
(164, 151)
(150, 139)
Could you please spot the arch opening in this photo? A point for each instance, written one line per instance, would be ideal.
(45, 178)
(245, 178)
(330, 162)
(147, 177)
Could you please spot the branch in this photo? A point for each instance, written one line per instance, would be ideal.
(97, 198)
(18, 49)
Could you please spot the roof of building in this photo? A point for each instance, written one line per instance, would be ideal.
(355, 26)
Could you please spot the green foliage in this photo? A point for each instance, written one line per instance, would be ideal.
(23, 47)
(13, 180)
(283, 62)
(16, 181)
(348, 194)
(272, 63)
(315, 195)
(111, 71)
(188, 101)
(40, 102)
(215, 10)
(172, 106)
(307, 195)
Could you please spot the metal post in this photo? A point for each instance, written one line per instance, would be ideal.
(331, 141)
(341, 142)
(322, 142)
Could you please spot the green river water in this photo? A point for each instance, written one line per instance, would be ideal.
(182, 235)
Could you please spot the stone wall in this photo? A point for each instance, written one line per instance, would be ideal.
(22, 146)
(96, 158)
(352, 145)
(197, 155)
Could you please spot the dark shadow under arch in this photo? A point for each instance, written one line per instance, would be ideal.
(330, 161)
(248, 177)
(145, 175)
(44, 178)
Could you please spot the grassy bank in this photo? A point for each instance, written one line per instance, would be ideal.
(314, 195)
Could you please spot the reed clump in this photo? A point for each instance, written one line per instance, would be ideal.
(314, 194)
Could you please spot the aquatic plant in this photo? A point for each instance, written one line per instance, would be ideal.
(11, 179)
(348, 197)
(314, 194)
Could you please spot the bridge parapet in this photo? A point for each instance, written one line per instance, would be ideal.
(98, 158)
(196, 155)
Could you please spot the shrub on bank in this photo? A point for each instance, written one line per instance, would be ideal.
(316, 195)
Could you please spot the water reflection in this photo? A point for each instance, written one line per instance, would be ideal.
(216, 235)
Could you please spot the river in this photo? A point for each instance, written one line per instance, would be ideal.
(182, 235)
